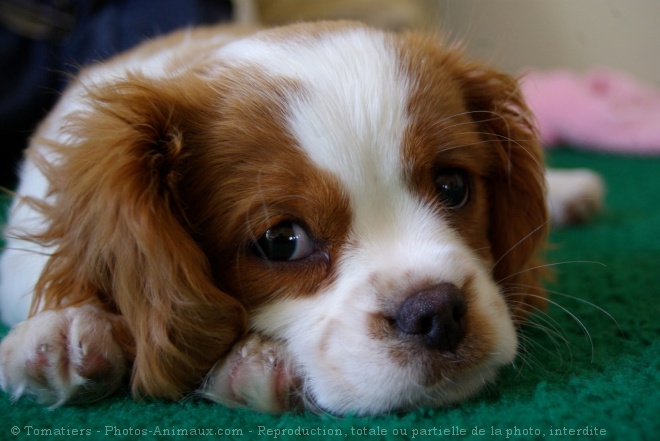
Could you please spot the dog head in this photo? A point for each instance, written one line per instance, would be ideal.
(371, 200)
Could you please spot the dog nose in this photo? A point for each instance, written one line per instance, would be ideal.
(436, 316)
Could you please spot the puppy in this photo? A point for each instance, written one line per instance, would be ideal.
(322, 215)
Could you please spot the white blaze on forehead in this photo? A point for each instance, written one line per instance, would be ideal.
(350, 114)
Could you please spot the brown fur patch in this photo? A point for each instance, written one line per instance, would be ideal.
(248, 176)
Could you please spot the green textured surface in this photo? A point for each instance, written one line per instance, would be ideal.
(595, 374)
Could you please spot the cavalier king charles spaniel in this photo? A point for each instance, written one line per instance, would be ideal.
(322, 215)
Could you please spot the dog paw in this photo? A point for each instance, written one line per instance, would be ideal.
(574, 196)
(62, 356)
(256, 374)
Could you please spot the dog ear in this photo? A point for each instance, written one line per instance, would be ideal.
(121, 235)
(519, 219)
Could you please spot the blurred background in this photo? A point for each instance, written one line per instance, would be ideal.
(42, 42)
(513, 34)
(578, 34)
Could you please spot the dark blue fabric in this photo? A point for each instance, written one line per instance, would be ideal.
(34, 71)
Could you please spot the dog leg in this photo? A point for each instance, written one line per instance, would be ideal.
(574, 196)
(62, 356)
(256, 374)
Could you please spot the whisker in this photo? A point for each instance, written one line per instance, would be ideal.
(527, 236)
(517, 143)
(548, 265)
(573, 316)
(551, 329)
(528, 358)
(586, 302)
(483, 141)
(496, 115)
(469, 112)
(550, 326)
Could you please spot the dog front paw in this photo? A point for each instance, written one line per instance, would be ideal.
(62, 356)
(575, 196)
(257, 374)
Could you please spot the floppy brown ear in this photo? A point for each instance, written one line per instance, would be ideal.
(122, 236)
(519, 219)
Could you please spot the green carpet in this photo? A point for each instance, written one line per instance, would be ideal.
(591, 373)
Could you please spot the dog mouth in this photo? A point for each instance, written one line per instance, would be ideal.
(409, 375)
(402, 369)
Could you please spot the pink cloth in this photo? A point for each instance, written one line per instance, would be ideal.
(602, 110)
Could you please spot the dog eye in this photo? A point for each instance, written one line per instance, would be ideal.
(285, 241)
(452, 187)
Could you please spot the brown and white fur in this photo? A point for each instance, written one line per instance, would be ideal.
(401, 187)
